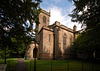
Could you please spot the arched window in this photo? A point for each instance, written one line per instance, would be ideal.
(64, 41)
(44, 19)
(70, 40)
(49, 37)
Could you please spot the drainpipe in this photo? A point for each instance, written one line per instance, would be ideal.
(53, 46)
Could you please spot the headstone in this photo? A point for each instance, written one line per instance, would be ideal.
(3, 67)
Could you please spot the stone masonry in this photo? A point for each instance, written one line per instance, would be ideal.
(54, 40)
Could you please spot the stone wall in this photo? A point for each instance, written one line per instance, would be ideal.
(63, 51)
(47, 44)
(54, 40)
(29, 52)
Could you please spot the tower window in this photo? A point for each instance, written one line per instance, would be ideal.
(49, 37)
(64, 41)
(44, 19)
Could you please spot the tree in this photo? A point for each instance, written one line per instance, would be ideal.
(85, 44)
(87, 12)
(14, 29)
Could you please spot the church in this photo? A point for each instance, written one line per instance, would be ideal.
(54, 40)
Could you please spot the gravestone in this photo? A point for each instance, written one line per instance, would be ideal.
(3, 67)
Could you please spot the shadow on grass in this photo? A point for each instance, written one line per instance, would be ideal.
(55, 65)
(62, 65)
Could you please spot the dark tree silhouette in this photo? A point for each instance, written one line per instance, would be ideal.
(14, 29)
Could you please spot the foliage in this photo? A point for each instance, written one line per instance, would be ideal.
(87, 42)
(14, 29)
(87, 12)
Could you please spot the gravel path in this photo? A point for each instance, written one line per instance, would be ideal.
(21, 65)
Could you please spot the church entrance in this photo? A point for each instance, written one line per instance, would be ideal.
(35, 50)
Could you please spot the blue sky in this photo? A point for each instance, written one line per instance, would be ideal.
(59, 11)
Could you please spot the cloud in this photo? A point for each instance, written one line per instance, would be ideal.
(61, 15)
(58, 14)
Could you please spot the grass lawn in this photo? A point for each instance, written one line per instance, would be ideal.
(54, 65)
(64, 65)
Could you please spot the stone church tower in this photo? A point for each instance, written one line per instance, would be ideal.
(54, 40)
(45, 36)
(44, 19)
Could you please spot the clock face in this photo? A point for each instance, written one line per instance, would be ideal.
(44, 19)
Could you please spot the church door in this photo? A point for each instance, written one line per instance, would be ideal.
(35, 50)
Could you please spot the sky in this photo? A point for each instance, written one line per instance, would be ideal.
(59, 11)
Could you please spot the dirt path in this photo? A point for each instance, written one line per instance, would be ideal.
(21, 65)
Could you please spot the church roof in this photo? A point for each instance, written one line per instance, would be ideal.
(46, 28)
(57, 24)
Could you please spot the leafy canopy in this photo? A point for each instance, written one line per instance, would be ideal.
(87, 12)
(14, 29)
